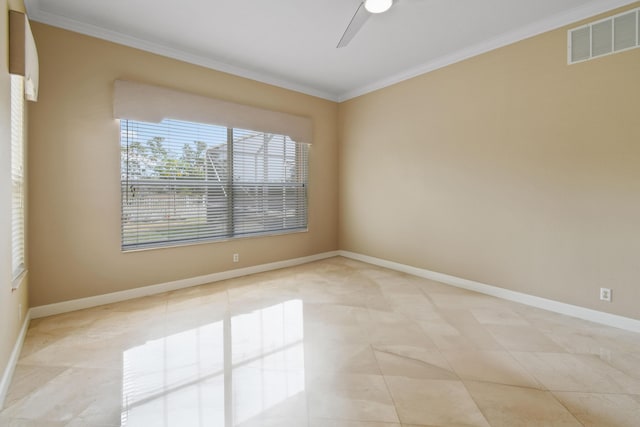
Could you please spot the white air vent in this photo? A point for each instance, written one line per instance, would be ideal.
(604, 37)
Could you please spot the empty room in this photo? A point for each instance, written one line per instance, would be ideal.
(338, 213)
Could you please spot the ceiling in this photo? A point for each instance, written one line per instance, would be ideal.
(292, 43)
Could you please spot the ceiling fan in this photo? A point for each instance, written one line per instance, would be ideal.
(364, 11)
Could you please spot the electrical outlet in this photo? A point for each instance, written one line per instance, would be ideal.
(605, 294)
(236, 257)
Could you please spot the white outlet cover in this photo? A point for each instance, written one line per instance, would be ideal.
(605, 294)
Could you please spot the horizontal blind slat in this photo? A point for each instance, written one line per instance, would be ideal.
(179, 187)
(17, 176)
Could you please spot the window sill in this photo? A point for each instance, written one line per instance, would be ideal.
(17, 282)
(213, 240)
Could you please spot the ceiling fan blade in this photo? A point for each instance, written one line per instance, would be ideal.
(358, 20)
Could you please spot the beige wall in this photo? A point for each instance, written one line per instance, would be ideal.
(511, 168)
(10, 316)
(75, 171)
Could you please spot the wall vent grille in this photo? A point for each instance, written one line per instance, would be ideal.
(610, 35)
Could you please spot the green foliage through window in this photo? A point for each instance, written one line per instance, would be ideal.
(189, 182)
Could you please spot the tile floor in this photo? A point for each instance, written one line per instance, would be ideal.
(332, 343)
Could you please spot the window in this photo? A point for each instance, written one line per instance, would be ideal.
(17, 178)
(185, 182)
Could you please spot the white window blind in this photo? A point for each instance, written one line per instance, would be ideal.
(17, 176)
(185, 182)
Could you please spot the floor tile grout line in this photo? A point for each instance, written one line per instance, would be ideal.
(386, 384)
(413, 320)
(484, 415)
(566, 407)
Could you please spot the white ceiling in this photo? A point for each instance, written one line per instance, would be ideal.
(292, 43)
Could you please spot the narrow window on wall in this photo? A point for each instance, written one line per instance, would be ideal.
(17, 179)
(185, 183)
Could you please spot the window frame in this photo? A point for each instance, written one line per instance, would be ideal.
(18, 181)
(301, 167)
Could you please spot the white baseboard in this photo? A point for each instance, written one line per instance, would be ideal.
(79, 304)
(13, 359)
(531, 300)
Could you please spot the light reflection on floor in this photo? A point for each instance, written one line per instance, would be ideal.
(381, 349)
(219, 374)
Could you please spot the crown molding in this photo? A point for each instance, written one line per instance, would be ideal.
(36, 13)
(554, 22)
(557, 21)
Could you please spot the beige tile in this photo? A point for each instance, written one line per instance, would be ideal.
(397, 332)
(317, 344)
(522, 338)
(415, 307)
(490, 366)
(459, 330)
(434, 402)
(424, 425)
(576, 372)
(186, 404)
(133, 324)
(28, 379)
(373, 318)
(498, 316)
(624, 341)
(260, 394)
(586, 339)
(68, 321)
(213, 296)
(68, 395)
(334, 322)
(595, 410)
(81, 352)
(438, 327)
(327, 332)
(36, 341)
(326, 422)
(387, 279)
(244, 291)
(180, 322)
(337, 290)
(509, 406)
(81, 422)
(431, 425)
(105, 411)
(629, 363)
(151, 305)
(350, 397)
(413, 362)
(463, 300)
(431, 286)
(547, 321)
(273, 422)
(21, 422)
(339, 356)
(334, 314)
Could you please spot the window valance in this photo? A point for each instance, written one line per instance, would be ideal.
(148, 103)
(23, 56)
